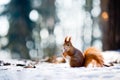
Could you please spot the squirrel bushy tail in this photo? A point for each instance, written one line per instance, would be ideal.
(93, 57)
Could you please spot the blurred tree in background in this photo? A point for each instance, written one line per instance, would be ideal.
(111, 24)
(20, 30)
(114, 25)
(45, 23)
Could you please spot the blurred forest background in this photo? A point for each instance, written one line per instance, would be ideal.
(34, 29)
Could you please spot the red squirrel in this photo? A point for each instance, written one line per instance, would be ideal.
(91, 57)
(74, 55)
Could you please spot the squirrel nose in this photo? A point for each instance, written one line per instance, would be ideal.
(64, 49)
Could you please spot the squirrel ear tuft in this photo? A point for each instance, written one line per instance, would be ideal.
(70, 38)
(67, 39)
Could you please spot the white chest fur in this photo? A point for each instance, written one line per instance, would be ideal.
(67, 59)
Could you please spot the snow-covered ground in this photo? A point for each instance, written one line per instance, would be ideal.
(50, 71)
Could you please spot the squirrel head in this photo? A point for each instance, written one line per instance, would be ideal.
(67, 44)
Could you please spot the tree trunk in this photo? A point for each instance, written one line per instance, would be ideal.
(111, 33)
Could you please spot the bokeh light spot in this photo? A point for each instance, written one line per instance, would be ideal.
(44, 33)
(4, 2)
(34, 15)
(105, 15)
(4, 26)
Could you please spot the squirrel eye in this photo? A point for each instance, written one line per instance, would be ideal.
(68, 44)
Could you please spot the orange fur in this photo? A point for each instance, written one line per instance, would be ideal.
(93, 57)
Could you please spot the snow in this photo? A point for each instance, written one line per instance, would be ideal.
(111, 56)
(51, 71)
